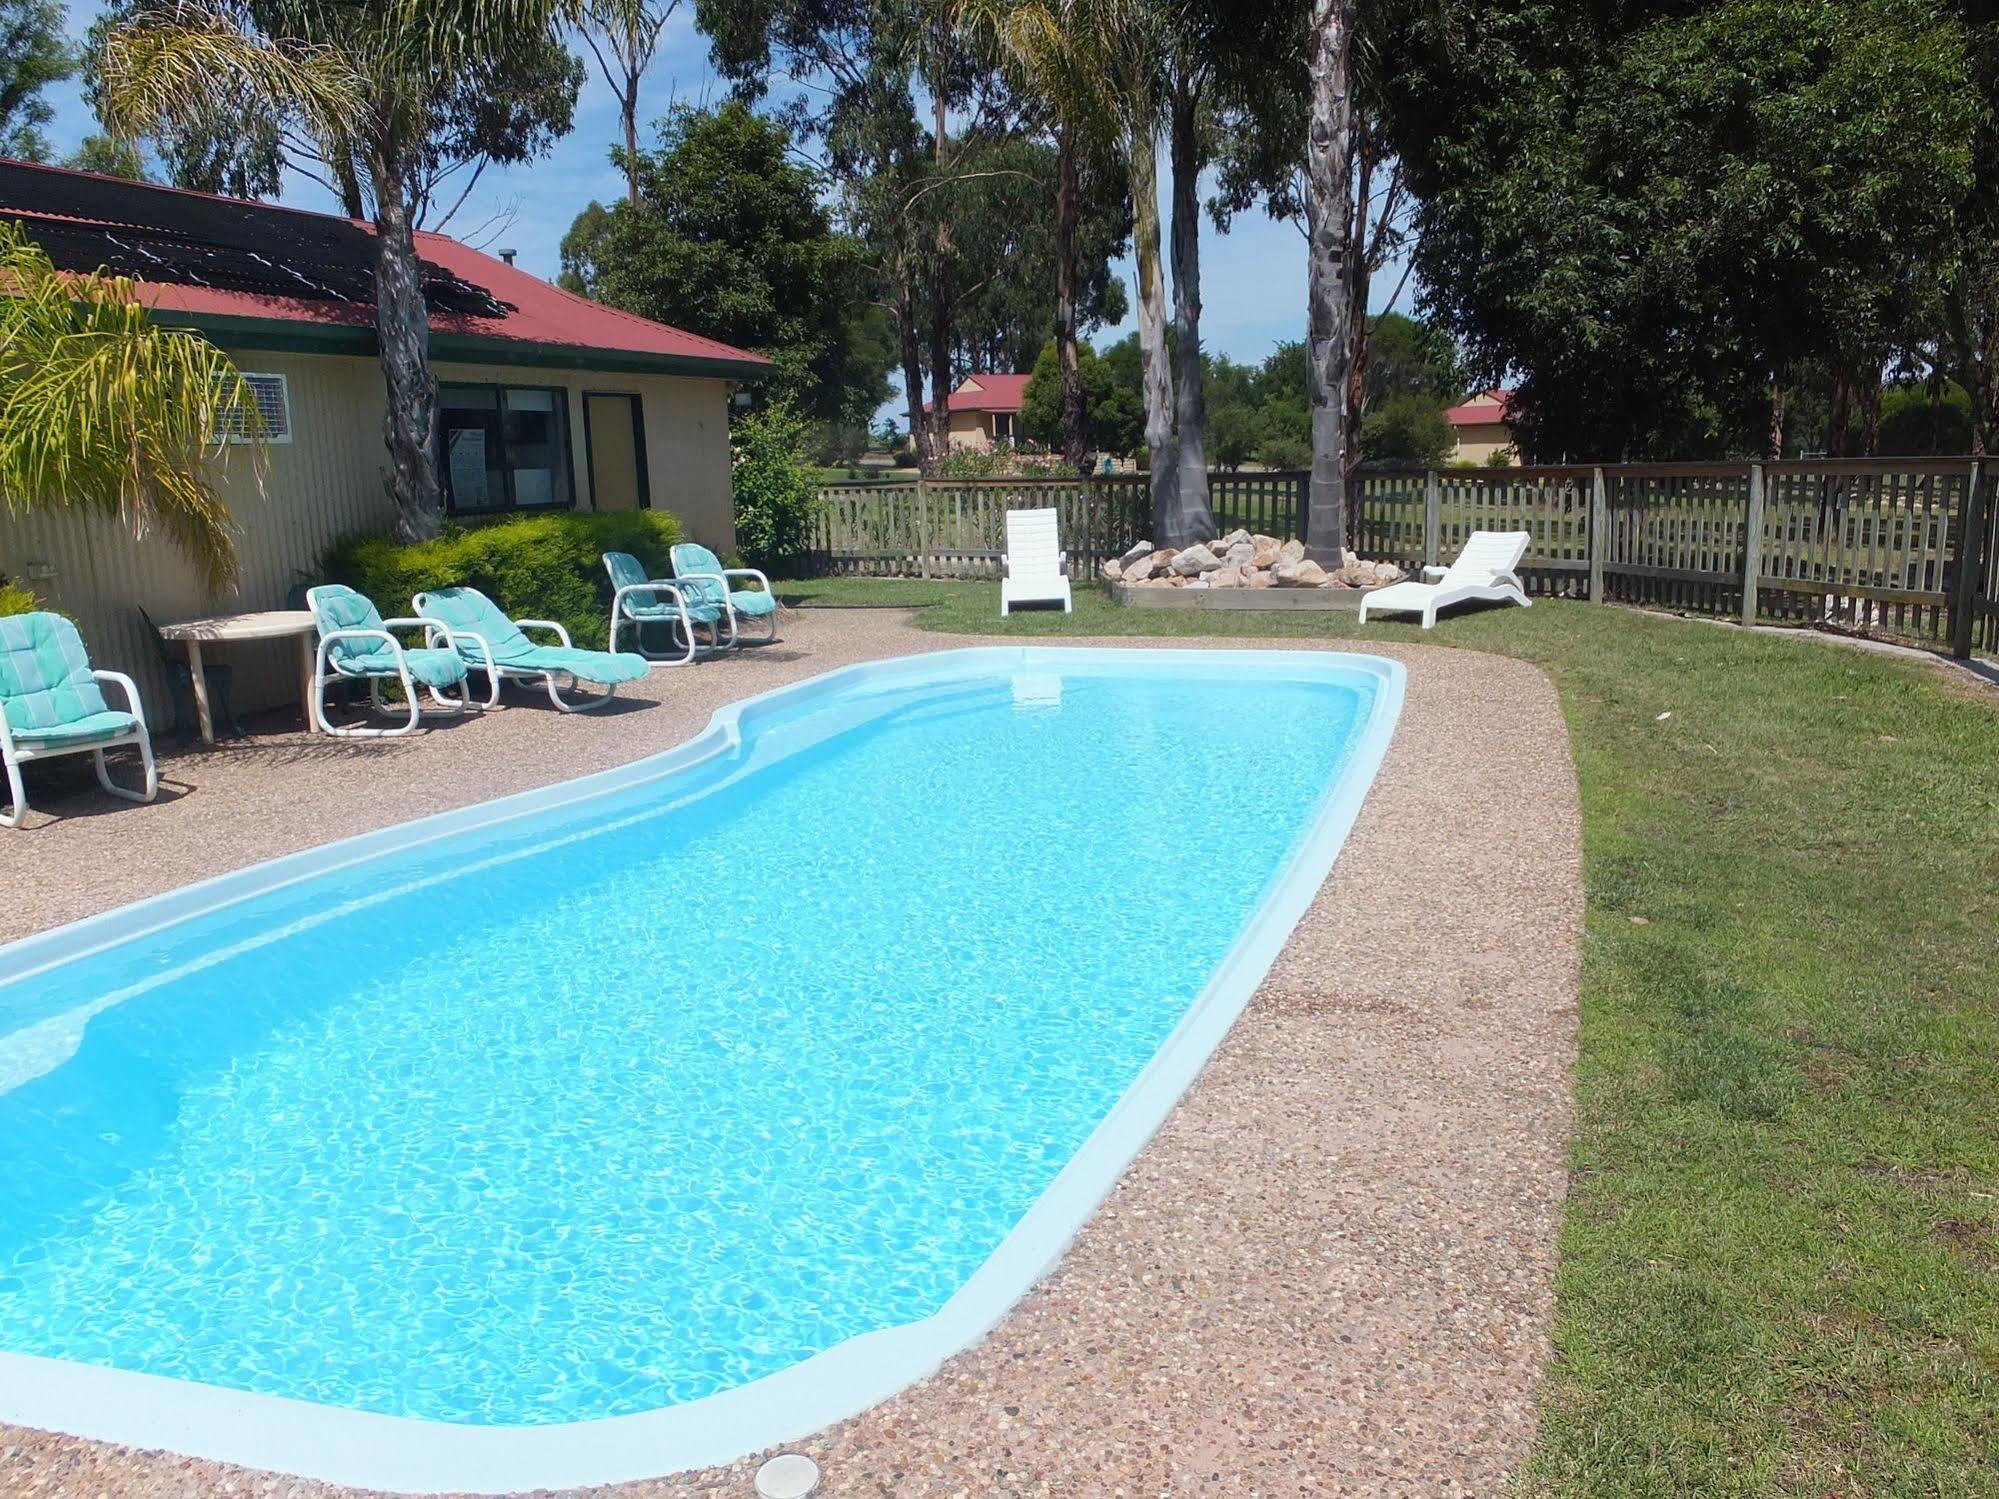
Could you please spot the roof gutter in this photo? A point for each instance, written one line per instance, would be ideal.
(288, 336)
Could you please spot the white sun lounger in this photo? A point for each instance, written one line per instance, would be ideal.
(1485, 569)
(1034, 559)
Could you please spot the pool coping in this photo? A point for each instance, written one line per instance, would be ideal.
(342, 1445)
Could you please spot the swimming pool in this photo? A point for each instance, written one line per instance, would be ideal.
(705, 1101)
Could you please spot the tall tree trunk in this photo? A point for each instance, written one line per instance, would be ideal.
(1156, 377)
(402, 327)
(1360, 275)
(1774, 446)
(1870, 414)
(628, 114)
(1839, 426)
(910, 347)
(940, 362)
(1328, 142)
(1194, 517)
(1075, 431)
(348, 180)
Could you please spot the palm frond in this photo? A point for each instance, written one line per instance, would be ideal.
(103, 411)
(182, 64)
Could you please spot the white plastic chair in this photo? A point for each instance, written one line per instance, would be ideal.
(1486, 569)
(1034, 561)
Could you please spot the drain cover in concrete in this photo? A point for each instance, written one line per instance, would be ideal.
(789, 1475)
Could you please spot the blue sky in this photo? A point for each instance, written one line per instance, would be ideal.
(1252, 282)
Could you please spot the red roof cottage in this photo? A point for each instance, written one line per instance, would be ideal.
(546, 400)
(985, 409)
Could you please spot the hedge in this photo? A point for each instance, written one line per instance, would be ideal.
(15, 599)
(533, 567)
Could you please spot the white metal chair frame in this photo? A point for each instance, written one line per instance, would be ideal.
(449, 706)
(684, 626)
(15, 753)
(496, 671)
(721, 581)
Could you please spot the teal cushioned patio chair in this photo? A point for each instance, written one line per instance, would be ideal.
(638, 601)
(355, 646)
(704, 582)
(486, 640)
(52, 703)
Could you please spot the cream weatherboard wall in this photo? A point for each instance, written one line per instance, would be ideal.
(325, 483)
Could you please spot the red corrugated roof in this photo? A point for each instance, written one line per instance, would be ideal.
(538, 313)
(1481, 414)
(995, 393)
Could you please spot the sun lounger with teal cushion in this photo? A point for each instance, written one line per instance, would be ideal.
(486, 640)
(52, 703)
(355, 645)
(705, 582)
(638, 601)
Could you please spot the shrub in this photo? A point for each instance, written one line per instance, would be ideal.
(534, 567)
(17, 599)
(776, 489)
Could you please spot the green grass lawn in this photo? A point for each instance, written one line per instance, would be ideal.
(1781, 1256)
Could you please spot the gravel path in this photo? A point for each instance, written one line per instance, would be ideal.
(1331, 1270)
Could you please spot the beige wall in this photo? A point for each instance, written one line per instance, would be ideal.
(322, 484)
(1486, 443)
(969, 430)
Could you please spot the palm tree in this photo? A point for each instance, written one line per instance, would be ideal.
(363, 83)
(1101, 66)
(105, 412)
(1049, 66)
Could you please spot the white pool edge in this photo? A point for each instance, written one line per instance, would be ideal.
(369, 1450)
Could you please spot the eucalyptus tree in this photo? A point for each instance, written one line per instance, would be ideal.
(33, 55)
(623, 36)
(104, 411)
(367, 85)
(1328, 298)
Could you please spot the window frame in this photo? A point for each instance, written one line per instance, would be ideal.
(512, 505)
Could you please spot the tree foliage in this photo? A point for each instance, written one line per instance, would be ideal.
(730, 239)
(33, 55)
(1656, 213)
(104, 411)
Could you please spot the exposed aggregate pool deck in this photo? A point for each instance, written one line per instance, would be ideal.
(1330, 1272)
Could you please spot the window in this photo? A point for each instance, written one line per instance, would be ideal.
(1002, 426)
(271, 395)
(505, 447)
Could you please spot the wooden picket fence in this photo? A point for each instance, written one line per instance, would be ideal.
(1906, 550)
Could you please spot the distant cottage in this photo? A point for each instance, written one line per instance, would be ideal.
(1484, 435)
(984, 410)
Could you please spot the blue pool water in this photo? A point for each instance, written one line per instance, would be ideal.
(628, 1102)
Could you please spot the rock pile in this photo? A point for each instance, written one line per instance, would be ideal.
(1242, 560)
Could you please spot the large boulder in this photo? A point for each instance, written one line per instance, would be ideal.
(1196, 560)
(1235, 538)
(1293, 552)
(1265, 543)
(1139, 571)
(1264, 556)
(1301, 574)
(1113, 572)
(1225, 577)
(1143, 549)
(1242, 554)
(1261, 579)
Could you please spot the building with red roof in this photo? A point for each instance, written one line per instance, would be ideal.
(547, 401)
(1484, 434)
(985, 409)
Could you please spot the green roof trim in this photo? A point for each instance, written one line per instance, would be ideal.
(287, 336)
